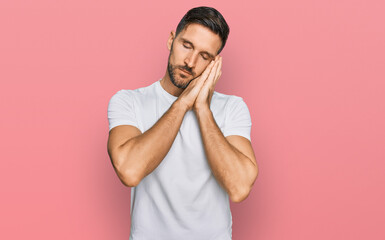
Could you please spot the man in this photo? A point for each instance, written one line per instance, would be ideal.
(182, 147)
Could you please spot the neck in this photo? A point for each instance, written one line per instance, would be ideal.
(169, 87)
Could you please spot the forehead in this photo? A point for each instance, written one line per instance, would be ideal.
(202, 38)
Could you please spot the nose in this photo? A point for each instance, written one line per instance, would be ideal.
(191, 59)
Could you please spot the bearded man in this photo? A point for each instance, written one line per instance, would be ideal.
(183, 148)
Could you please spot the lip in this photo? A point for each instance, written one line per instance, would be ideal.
(184, 71)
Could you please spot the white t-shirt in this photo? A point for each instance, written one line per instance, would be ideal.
(181, 198)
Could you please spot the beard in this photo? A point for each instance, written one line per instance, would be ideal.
(174, 77)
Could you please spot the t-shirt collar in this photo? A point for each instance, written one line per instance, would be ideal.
(171, 98)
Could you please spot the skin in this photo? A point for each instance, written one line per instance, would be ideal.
(134, 155)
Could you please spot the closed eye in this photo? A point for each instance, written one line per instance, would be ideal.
(204, 57)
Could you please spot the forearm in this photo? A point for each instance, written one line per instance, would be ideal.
(140, 155)
(234, 171)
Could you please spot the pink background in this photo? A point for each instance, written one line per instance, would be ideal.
(311, 72)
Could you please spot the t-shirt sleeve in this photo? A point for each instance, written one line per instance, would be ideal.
(238, 120)
(121, 109)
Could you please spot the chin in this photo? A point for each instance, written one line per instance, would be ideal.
(181, 82)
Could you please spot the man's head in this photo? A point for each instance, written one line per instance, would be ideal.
(200, 36)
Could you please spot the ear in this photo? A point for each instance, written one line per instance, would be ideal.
(170, 40)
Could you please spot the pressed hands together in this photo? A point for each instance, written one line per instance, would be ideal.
(197, 95)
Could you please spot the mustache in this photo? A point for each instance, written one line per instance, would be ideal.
(187, 69)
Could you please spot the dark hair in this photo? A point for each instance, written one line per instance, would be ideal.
(208, 17)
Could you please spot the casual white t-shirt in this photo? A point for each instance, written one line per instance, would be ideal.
(181, 198)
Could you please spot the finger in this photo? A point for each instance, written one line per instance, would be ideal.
(218, 76)
(218, 72)
(218, 69)
(213, 72)
(202, 78)
(207, 71)
(210, 79)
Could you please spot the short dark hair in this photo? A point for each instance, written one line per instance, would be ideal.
(208, 17)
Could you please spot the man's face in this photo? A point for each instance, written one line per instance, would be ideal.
(190, 53)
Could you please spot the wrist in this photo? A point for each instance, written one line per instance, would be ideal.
(180, 106)
(202, 110)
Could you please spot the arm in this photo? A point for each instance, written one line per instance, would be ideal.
(231, 159)
(135, 155)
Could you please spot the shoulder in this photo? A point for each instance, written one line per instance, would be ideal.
(237, 119)
(129, 94)
(226, 99)
(233, 106)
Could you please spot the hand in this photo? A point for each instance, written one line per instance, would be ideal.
(190, 93)
(203, 99)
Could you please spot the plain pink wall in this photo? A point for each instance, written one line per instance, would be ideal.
(311, 72)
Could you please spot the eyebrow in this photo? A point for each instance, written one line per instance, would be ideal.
(187, 41)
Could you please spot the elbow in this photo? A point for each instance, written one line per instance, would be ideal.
(125, 171)
(130, 183)
(256, 172)
(127, 174)
(129, 178)
(240, 195)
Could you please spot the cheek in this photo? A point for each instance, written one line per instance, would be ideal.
(201, 67)
(180, 52)
(174, 58)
